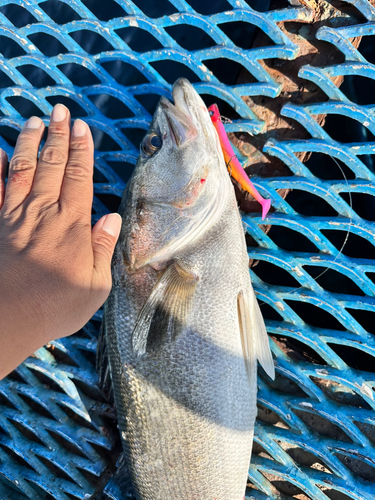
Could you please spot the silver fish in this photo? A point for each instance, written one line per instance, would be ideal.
(182, 326)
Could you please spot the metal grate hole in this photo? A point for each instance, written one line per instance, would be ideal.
(363, 204)
(297, 350)
(274, 275)
(122, 168)
(259, 450)
(105, 11)
(90, 355)
(56, 470)
(207, 8)
(89, 389)
(9, 48)
(16, 457)
(315, 315)
(359, 89)
(103, 142)
(285, 385)
(172, 70)
(91, 42)
(110, 106)
(309, 204)
(359, 467)
(156, 9)
(364, 318)
(135, 135)
(322, 426)
(326, 168)
(43, 494)
(4, 401)
(36, 76)
(124, 73)
(36, 406)
(304, 457)
(341, 128)
(243, 33)
(139, 39)
(17, 15)
(291, 240)
(59, 11)
(190, 37)
(333, 281)
(76, 111)
(148, 101)
(340, 393)
(47, 44)
(286, 487)
(226, 109)
(225, 70)
(77, 419)
(107, 455)
(270, 417)
(355, 246)
(61, 356)
(5, 82)
(89, 475)
(46, 381)
(111, 201)
(16, 374)
(65, 443)
(367, 429)
(366, 48)
(24, 107)
(334, 494)
(355, 358)
(78, 75)
(26, 431)
(269, 312)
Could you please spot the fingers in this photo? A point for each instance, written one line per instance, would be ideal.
(53, 157)
(23, 164)
(105, 234)
(77, 186)
(3, 166)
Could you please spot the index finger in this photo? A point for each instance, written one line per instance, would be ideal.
(77, 187)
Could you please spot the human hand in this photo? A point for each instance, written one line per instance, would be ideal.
(55, 271)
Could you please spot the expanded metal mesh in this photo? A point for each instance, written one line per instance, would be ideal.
(109, 62)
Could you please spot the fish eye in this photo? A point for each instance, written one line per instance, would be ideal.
(150, 144)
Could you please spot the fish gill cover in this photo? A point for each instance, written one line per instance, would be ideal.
(275, 70)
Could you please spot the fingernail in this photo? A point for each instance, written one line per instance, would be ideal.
(33, 122)
(79, 128)
(59, 113)
(112, 224)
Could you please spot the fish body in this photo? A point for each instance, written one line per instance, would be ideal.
(182, 327)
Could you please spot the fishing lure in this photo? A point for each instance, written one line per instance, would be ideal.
(234, 166)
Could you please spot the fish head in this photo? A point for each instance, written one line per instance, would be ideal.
(179, 186)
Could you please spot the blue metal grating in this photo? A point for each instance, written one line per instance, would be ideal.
(315, 434)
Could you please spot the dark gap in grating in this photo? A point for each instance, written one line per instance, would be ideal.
(29, 434)
(364, 318)
(270, 417)
(16, 374)
(306, 458)
(190, 37)
(105, 11)
(334, 494)
(48, 382)
(285, 487)
(367, 429)
(148, 101)
(96, 326)
(4, 431)
(103, 141)
(207, 8)
(99, 176)
(325, 167)
(77, 419)
(59, 11)
(103, 452)
(315, 316)
(340, 393)
(91, 42)
(78, 75)
(76, 110)
(36, 406)
(89, 389)
(359, 89)
(61, 356)
(285, 385)
(341, 128)
(111, 201)
(156, 9)
(322, 426)
(259, 450)
(366, 48)
(264, 5)
(71, 496)
(359, 467)
(135, 135)
(43, 494)
(4, 401)
(297, 350)
(225, 108)
(243, 33)
(110, 106)
(124, 73)
(36, 76)
(225, 70)
(139, 39)
(268, 312)
(56, 471)
(90, 476)
(172, 70)
(89, 355)
(48, 44)
(16, 457)
(9, 48)
(368, 161)
(122, 168)
(17, 15)
(65, 443)
(291, 240)
(363, 204)
(274, 275)
(355, 358)
(333, 281)
(309, 204)
(5, 81)
(355, 246)
(24, 107)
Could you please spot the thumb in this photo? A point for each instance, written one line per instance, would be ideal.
(104, 236)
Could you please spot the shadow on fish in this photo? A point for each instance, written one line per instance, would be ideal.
(182, 330)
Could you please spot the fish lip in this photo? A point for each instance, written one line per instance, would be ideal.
(182, 128)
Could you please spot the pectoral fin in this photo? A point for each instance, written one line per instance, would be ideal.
(253, 332)
(165, 312)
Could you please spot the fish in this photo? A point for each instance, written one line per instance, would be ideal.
(182, 329)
